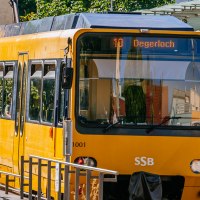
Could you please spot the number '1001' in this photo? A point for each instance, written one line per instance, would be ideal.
(79, 144)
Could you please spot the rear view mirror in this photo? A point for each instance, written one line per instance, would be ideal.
(67, 76)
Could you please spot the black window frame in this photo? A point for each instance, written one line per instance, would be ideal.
(41, 62)
(33, 62)
(46, 62)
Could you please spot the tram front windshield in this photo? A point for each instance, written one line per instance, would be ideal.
(138, 80)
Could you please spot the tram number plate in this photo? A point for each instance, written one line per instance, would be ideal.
(79, 144)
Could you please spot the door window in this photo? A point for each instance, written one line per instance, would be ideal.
(48, 93)
(8, 94)
(35, 89)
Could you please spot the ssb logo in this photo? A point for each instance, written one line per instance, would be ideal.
(144, 161)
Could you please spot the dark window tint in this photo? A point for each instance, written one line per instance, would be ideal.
(48, 93)
(8, 88)
(35, 89)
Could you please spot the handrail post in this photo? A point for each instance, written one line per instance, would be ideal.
(66, 183)
(39, 179)
(77, 183)
(49, 180)
(22, 178)
(30, 178)
(7, 181)
(101, 177)
(88, 177)
(59, 181)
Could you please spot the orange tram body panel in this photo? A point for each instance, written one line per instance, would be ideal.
(134, 100)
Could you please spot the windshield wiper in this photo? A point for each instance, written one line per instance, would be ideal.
(165, 120)
(112, 125)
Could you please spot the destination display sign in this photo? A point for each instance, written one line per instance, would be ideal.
(136, 45)
(145, 43)
(153, 44)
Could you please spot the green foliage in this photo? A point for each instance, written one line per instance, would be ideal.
(28, 17)
(34, 9)
(135, 104)
(131, 5)
(77, 6)
(100, 6)
(53, 8)
(26, 7)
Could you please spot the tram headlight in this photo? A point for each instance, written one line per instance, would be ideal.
(88, 161)
(195, 166)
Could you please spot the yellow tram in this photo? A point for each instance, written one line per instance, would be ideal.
(134, 100)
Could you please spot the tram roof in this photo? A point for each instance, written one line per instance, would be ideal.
(94, 20)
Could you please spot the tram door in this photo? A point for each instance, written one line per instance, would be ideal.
(22, 71)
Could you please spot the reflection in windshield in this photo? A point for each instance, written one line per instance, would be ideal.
(139, 85)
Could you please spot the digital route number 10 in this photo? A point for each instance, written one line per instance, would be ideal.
(118, 42)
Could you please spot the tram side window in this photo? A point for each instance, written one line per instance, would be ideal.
(48, 93)
(8, 88)
(35, 89)
(61, 99)
(1, 88)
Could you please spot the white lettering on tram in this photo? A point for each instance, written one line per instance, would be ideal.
(144, 161)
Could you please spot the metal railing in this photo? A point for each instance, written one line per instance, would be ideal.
(60, 168)
(8, 180)
(67, 169)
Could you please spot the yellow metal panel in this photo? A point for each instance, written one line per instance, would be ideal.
(6, 142)
(38, 140)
